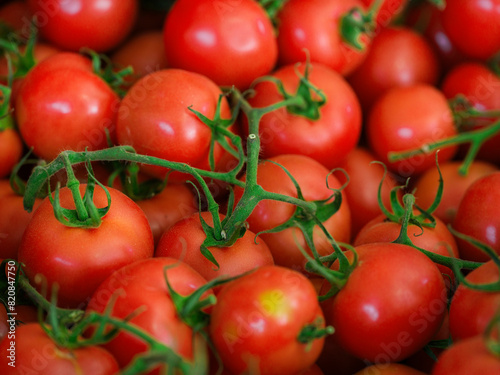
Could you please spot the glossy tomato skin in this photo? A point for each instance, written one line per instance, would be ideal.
(398, 56)
(467, 357)
(183, 241)
(476, 307)
(79, 259)
(141, 285)
(313, 25)
(36, 353)
(75, 24)
(232, 43)
(477, 217)
(76, 105)
(388, 310)
(407, 118)
(473, 26)
(311, 177)
(270, 302)
(154, 118)
(328, 139)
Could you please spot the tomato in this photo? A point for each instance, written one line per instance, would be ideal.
(183, 241)
(144, 52)
(392, 304)
(23, 314)
(407, 118)
(481, 87)
(364, 181)
(11, 150)
(79, 259)
(398, 56)
(389, 10)
(17, 15)
(473, 26)
(77, 106)
(35, 353)
(154, 118)
(270, 302)
(454, 186)
(141, 286)
(230, 42)
(328, 139)
(75, 24)
(476, 217)
(311, 177)
(477, 307)
(389, 369)
(467, 357)
(313, 25)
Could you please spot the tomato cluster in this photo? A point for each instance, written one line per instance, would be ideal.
(281, 187)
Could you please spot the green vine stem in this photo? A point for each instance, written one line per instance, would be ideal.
(358, 22)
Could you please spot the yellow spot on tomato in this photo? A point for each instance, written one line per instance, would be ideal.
(274, 303)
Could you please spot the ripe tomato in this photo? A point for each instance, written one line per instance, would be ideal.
(476, 217)
(393, 303)
(154, 118)
(77, 106)
(389, 369)
(407, 118)
(473, 26)
(230, 42)
(183, 241)
(75, 24)
(11, 150)
(312, 178)
(34, 352)
(270, 302)
(79, 259)
(313, 25)
(328, 139)
(141, 286)
(398, 56)
(24, 314)
(16, 15)
(477, 307)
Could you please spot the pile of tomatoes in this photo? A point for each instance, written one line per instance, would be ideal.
(272, 187)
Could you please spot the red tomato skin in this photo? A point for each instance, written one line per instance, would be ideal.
(77, 107)
(311, 177)
(11, 150)
(477, 307)
(141, 285)
(269, 302)
(154, 118)
(16, 14)
(314, 25)
(473, 26)
(389, 369)
(398, 56)
(477, 217)
(75, 24)
(79, 259)
(24, 314)
(232, 43)
(388, 11)
(370, 321)
(407, 118)
(36, 353)
(467, 357)
(328, 139)
(183, 240)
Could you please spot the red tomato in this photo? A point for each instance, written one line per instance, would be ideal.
(387, 310)
(154, 118)
(24, 314)
(79, 259)
(454, 186)
(389, 369)
(328, 139)
(407, 118)
(467, 357)
(473, 26)
(183, 241)
(313, 25)
(477, 217)
(11, 150)
(141, 286)
(477, 307)
(17, 15)
(311, 177)
(75, 24)
(230, 42)
(398, 56)
(270, 302)
(77, 106)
